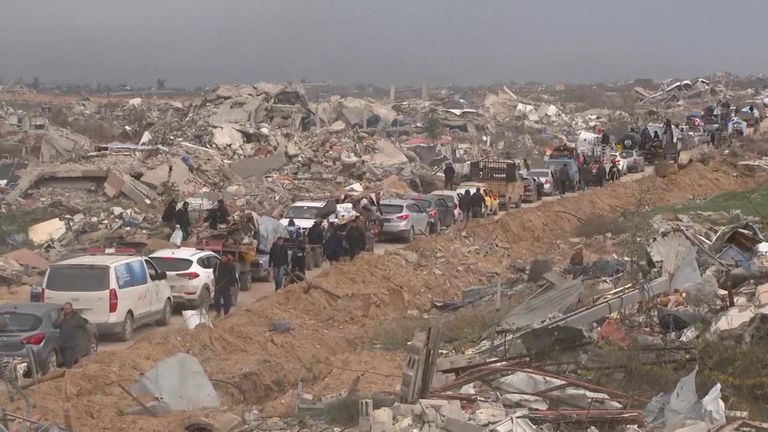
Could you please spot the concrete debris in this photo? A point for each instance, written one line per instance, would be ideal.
(550, 333)
(118, 182)
(47, 231)
(177, 383)
(672, 411)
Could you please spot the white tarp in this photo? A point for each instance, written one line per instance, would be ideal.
(523, 382)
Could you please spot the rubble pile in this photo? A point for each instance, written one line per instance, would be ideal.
(330, 315)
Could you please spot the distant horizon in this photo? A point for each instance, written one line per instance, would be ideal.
(197, 43)
(170, 87)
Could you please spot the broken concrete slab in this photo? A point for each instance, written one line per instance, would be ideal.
(256, 168)
(456, 425)
(227, 137)
(178, 383)
(387, 155)
(118, 182)
(29, 177)
(489, 413)
(175, 172)
(50, 230)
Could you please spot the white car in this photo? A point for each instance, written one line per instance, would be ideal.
(117, 293)
(190, 275)
(630, 161)
(305, 213)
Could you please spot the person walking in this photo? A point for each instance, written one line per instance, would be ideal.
(225, 279)
(333, 246)
(563, 179)
(73, 331)
(585, 176)
(278, 261)
(477, 202)
(355, 238)
(169, 215)
(182, 219)
(449, 172)
(465, 204)
(600, 174)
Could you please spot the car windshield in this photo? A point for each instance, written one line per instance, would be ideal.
(77, 278)
(448, 197)
(626, 154)
(302, 212)
(391, 208)
(424, 203)
(171, 264)
(538, 173)
(12, 322)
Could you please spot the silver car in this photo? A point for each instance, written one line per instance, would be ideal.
(403, 219)
(547, 177)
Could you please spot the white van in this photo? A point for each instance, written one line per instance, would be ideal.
(117, 293)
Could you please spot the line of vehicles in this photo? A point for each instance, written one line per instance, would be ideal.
(118, 289)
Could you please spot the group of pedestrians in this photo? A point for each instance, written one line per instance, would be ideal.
(471, 204)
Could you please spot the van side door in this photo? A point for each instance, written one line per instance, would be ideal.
(159, 290)
(133, 289)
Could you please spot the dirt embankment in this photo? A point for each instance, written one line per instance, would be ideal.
(333, 318)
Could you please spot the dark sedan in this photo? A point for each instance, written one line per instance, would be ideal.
(28, 328)
(439, 211)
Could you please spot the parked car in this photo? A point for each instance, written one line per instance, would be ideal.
(190, 275)
(117, 293)
(630, 161)
(31, 325)
(491, 198)
(440, 213)
(452, 199)
(530, 190)
(403, 219)
(547, 178)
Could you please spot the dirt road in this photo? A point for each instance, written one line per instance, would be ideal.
(262, 289)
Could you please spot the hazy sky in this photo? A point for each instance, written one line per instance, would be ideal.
(199, 42)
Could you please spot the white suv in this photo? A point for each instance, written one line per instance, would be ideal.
(190, 275)
(117, 293)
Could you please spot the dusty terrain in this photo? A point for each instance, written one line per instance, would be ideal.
(333, 316)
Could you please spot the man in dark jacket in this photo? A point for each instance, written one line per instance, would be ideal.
(355, 238)
(477, 202)
(465, 204)
(73, 332)
(182, 219)
(169, 215)
(600, 174)
(564, 178)
(278, 261)
(218, 215)
(333, 246)
(449, 172)
(605, 139)
(225, 280)
(585, 175)
(315, 234)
